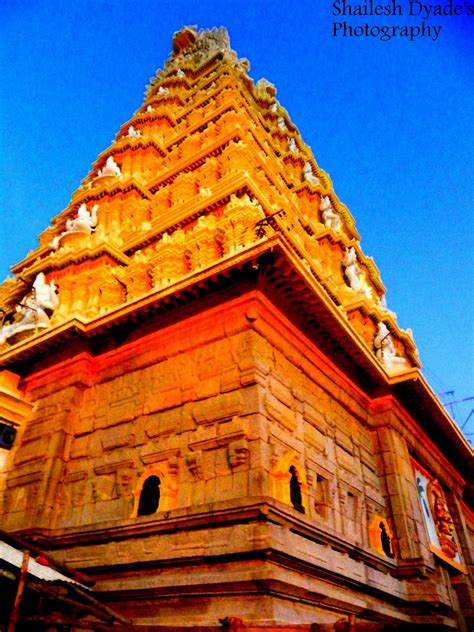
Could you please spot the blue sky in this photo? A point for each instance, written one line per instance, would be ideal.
(391, 122)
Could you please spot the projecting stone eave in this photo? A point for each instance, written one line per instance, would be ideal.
(321, 306)
(289, 270)
(420, 401)
(76, 325)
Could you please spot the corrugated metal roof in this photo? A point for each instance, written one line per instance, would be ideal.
(14, 557)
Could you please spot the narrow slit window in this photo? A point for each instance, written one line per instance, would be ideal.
(295, 491)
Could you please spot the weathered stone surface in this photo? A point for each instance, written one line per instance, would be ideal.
(222, 406)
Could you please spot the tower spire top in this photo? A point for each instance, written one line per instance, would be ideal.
(189, 44)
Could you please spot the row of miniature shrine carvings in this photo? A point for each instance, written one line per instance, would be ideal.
(34, 311)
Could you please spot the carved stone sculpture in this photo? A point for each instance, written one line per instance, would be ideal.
(292, 146)
(332, 220)
(134, 133)
(385, 349)
(162, 91)
(238, 453)
(111, 169)
(308, 174)
(33, 311)
(190, 44)
(443, 521)
(382, 305)
(45, 293)
(351, 268)
(281, 124)
(264, 90)
(85, 223)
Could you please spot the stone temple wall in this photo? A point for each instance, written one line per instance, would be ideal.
(249, 428)
(216, 408)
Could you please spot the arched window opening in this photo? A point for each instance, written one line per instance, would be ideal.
(380, 536)
(149, 496)
(295, 491)
(385, 540)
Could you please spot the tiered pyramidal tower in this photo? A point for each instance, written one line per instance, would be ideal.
(216, 413)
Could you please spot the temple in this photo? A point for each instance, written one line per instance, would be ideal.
(208, 414)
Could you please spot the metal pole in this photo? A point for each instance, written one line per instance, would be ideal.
(19, 592)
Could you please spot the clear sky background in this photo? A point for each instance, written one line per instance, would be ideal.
(391, 122)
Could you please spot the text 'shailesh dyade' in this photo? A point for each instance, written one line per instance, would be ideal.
(415, 8)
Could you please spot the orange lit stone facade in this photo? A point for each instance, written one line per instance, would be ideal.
(218, 417)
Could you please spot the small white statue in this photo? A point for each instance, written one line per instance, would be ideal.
(150, 108)
(274, 107)
(382, 305)
(292, 145)
(332, 220)
(351, 268)
(308, 174)
(45, 293)
(180, 73)
(133, 133)
(281, 124)
(385, 349)
(34, 310)
(111, 169)
(85, 222)
(162, 90)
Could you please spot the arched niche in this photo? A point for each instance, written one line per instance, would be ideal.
(380, 536)
(289, 483)
(149, 499)
(158, 485)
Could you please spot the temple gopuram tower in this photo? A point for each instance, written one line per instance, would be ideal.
(207, 407)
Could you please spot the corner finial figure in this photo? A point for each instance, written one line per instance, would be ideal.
(34, 310)
(197, 46)
(292, 146)
(45, 293)
(133, 133)
(111, 169)
(382, 305)
(351, 268)
(332, 220)
(385, 349)
(85, 223)
(265, 91)
(308, 174)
